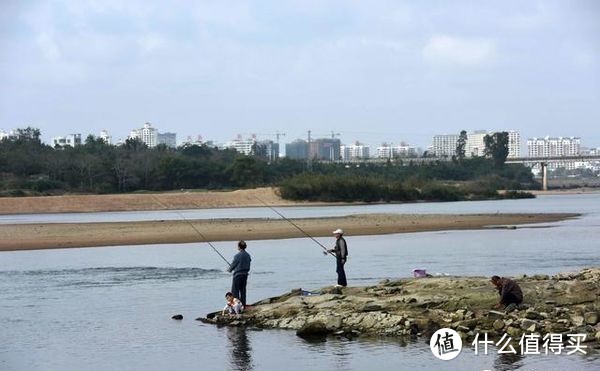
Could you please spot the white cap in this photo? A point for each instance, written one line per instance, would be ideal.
(338, 231)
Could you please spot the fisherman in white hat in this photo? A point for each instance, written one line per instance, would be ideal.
(341, 254)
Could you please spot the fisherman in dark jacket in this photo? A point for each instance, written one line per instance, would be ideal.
(510, 292)
(341, 254)
(240, 266)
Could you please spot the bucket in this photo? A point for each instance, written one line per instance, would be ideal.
(419, 273)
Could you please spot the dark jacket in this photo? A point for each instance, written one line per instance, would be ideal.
(341, 249)
(240, 264)
(510, 291)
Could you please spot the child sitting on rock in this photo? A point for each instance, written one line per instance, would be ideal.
(233, 306)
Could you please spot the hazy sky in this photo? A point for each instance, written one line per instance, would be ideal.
(371, 70)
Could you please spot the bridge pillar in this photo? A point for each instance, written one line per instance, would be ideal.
(544, 176)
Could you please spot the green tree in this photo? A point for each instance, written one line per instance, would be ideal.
(496, 147)
(461, 143)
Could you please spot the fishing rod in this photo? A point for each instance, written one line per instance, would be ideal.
(195, 229)
(297, 227)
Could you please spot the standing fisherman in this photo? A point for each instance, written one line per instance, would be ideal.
(240, 266)
(341, 254)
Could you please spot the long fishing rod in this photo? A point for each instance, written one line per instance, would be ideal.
(295, 225)
(195, 229)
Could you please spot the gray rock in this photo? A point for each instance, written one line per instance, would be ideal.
(333, 323)
(314, 329)
(494, 314)
(527, 323)
(591, 318)
(370, 307)
(530, 314)
(577, 320)
(178, 317)
(392, 290)
(540, 277)
(513, 332)
(498, 324)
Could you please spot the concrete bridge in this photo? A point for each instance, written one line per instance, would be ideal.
(543, 162)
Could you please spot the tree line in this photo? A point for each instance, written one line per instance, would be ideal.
(29, 167)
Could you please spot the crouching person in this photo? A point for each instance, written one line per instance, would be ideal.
(233, 305)
(510, 293)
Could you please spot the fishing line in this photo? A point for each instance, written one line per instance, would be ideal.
(295, 225)
(194, 228)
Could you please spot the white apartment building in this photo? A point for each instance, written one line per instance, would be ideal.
(401, 150)
(445, 145)
(356, 151)
(475, 146)
(514, 144)
(70, 140)
(146, 134)
(555, 147)
(4, 134)
(105, 137)
(243, 146)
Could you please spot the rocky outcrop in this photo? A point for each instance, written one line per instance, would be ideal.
(568, 303)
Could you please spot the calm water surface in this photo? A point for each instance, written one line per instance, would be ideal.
(109, 308)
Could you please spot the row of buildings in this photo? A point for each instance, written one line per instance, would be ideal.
(147, 134)
(445, 145)
(331, 149)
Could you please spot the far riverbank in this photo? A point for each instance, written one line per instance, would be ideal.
(68, 235)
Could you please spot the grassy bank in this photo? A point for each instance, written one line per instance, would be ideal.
(345, 188)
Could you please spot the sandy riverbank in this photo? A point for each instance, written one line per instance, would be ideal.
(174, 201)
(48, 236)
(143, 201)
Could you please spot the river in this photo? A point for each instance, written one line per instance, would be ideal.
(109, 308)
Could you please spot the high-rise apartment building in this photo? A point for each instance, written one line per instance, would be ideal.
(324, 149)
(389, 151)
(146, 134)
(555, 147)
(356, 151)
(243, 146)
(266, 149)
(475, 146)
(105, 137)
(70, 140)
(297, 150)
(445, 145)
(514, 144)
(4, 134)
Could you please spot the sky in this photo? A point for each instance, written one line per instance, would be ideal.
(373, 71)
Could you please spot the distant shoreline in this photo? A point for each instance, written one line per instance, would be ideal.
(183, 200)
(72, 235)
(566, 191)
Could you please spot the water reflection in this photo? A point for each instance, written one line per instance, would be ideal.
(507, 361)
(240, 357)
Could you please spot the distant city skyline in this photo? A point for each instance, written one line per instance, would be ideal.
(386, 71)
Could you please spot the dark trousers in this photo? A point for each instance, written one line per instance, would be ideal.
(238, 287)
(511, 299)
(339, 268)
